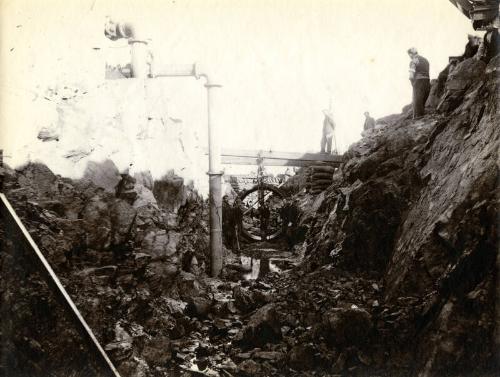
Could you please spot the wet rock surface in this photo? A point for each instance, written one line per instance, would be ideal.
(396, 275)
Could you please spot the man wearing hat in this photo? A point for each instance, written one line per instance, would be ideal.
(328, 129)
(419, 78)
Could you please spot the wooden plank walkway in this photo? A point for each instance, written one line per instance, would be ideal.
(274, 158)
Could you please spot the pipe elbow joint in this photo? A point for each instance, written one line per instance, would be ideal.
(201, 70)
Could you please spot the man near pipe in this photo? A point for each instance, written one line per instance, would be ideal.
(419, 78)
(238, 221)
(228, 229)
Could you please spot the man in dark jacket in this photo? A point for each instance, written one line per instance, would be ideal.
(265, 215)
(238, 221)
(285, 218)
(471, 47)
(490, 46)
(419, 78)
(227, 222)
(369, 122)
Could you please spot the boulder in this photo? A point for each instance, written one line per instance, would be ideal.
(249, 368)
(122, 216)
(263, 327)
(243, 299)
(301, 357)
(347, 326)
(97, 223)
(198, 307)
(170, 192)
(459, 80)
(102, 174)
(159, 244)
(38, 178)
(157, 351)
(188, 285)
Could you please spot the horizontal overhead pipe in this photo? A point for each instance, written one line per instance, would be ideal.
(173, 70)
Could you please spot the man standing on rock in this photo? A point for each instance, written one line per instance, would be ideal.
(328, 129)
(419, 78)
(369, 122)
(471, 47)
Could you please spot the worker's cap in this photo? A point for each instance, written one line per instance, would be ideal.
(412, 51)
(367, 113)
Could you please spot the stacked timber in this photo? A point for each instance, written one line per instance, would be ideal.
(320, 177)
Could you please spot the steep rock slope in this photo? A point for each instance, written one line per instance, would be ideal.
(416, 206)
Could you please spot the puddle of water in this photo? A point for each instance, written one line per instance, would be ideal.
(258, 268)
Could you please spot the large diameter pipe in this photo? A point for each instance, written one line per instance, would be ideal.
(138, 45)
(215, 177)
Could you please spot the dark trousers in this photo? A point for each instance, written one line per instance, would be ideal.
(228, 234)
(326, 142)
(421, 89)
(264, 225)
(238, 229)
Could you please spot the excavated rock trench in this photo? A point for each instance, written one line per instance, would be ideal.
(397, 274)
(236, 314)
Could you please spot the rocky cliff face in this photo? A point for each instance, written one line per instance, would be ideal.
(416, 206)
(124, 250)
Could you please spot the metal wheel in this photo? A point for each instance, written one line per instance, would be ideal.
(252, 214)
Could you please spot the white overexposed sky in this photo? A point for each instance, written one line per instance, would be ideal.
(277, 59)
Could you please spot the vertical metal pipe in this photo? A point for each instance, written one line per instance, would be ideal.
(215, 176)
(139, 58)
(141, 68)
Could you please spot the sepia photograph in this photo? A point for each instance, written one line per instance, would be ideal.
(239, 188)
